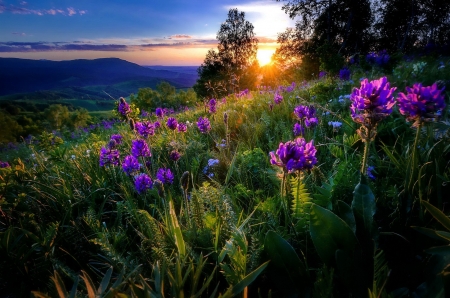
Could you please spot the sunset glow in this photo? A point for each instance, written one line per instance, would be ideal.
(264, 56)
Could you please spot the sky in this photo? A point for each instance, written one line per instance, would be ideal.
(146, 32)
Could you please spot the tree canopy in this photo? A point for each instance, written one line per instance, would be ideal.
(232, 66)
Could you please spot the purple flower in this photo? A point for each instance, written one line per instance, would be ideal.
(369, 172)
(322, 74)
(421, 103)
(130, 164)
(295, 155)
(143, 182)
(381, 58)
(372, 102)
(344, 74)
(172, 123)
(145, 128)
(182, 127)
(304, 112)
(165, 176)
(203, 125)
(335, 124)
(212, 106)
(157, 124)
(159, 112)
(4, 164)
(299, 129)
(278, 98)
(311, 122)
(140, 148)
(174, 155)
(109, 157)
(123, 107)
(117, 139)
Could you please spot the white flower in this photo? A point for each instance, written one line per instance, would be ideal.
(73, 157)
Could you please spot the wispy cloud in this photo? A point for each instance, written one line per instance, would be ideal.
(18, 33)
(22, 47)
(70, 11)
(180, 36)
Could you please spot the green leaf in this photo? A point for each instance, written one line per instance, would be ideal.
(302, 199)
(285, 262)
(330, 233)
(438, 235)
(105, 281)
(239, 287)
(439, 250)
(364, 206)
(179, 241)
(345, 212)
(437, 214)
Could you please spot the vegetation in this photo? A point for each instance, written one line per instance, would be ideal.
(202, 203)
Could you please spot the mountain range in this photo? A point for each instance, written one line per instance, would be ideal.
(94, 79)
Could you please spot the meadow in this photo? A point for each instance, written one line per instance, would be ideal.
(298, 190)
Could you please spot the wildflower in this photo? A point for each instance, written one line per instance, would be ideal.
(278, 98)
(172, 123)
(145, 128)
(123, 107)
(165, 176)
(73, 157)
(143, 182)
(159, 112)
(369, 172)
(212, 162)
(344, 74)
(295, 155)
(306, 114)
(298, 129)
(311, 122)
(421, 104)
(117, 138)
(203, 125)
(130, 164)
(225, 118)
(4, 164)
(88, 152)
(109, 157)
(182, 127)
(271, 106)
(335, 124)
(370, 104)
(140, 148)
(174, 155)
(322, 74)
(157, 124)
(212, 106)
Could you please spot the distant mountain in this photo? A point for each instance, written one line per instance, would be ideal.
(25, 76)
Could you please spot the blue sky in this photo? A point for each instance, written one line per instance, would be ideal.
(149, 32)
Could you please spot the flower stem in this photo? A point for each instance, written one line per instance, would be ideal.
(365, 157)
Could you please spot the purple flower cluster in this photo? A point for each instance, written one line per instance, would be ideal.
(421, 103)
(306, 114)
(203, 124)
(322, 74)
(4, 164)
(295, 155)
(145, 128)
(174, 155)
(130, 165)
(143, 182)
(109, 156)
(172, 123)
(182, 127)
(165, 176)
(212, 106)
(243, 93)
(159, 112)
(298, 129)
(123, 107)
(140, 148)
(344, 74)
(117, 139)
(370, 170)
(381, 58)
(372, 102)
(277, 98)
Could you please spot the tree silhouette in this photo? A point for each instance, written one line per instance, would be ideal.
(231, 67)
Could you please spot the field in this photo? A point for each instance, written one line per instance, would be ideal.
(298, 190)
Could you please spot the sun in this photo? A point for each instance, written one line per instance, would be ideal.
(264, 56)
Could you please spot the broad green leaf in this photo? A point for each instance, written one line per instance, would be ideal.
(286, 263)
(439, 250)
(438, 235)
(105, 281)
(437, 214)
(363, 205)
(179, 241)
(239, 287)
(330, 233)
(346, 213)
(445, 235)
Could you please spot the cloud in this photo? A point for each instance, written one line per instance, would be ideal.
(40, 12)
(180, 36)
(22, 47)
(23, 3)
(18, 33)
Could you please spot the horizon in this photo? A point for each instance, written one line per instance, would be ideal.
(133, 32)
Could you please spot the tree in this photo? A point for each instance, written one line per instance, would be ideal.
(57, 115)
(229, 69)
